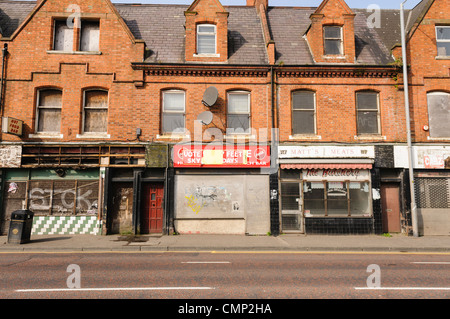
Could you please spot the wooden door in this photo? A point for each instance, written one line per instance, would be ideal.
(152, 208)
(390, 202)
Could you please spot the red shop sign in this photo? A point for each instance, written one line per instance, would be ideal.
(221, 156)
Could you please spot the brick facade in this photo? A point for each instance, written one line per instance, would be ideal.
(275, 53)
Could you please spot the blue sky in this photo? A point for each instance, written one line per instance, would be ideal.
(384, 4)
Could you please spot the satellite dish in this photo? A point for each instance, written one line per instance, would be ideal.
(210, 96)
(205, 117)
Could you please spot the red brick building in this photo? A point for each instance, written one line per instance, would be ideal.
(174, 118)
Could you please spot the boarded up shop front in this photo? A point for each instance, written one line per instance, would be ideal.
(63, 201)
(222, 193)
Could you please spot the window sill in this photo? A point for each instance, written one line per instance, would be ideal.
(204, 55)
(173, 136)
(74, 52)
(370, 137)
(94, 135)
(305, 137)
(442, 57)
(46, 135)
(239, 135)
(330, 56)
(438, 138)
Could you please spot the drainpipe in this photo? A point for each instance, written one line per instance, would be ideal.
(408, 125)
(5, 53)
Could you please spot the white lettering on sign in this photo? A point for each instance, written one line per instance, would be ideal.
(335, 174)
(326, 151)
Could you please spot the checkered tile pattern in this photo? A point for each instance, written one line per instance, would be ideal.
(65, 225)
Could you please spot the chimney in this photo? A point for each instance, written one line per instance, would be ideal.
(258, 3)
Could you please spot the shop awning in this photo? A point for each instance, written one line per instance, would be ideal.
(327, 166)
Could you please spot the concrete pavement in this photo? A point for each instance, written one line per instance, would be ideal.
(286, 242)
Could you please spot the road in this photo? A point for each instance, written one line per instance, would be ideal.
(227, 275)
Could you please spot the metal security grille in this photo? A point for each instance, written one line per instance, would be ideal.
(432, 192)
(292, 222)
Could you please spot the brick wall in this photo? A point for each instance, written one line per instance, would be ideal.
(427, 73)
(32, 65)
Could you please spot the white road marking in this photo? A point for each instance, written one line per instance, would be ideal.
(431, 262)
(113, 289)
(402, 288)
(206, 262)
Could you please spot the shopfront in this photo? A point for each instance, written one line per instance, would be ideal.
(221, 190)
(432, 186)
(326, 194)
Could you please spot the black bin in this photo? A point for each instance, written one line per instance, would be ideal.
(20, 227)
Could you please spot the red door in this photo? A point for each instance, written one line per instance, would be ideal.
(390, 202)
(152, 208)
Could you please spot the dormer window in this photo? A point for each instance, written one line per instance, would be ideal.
(206, 39)
(333, 40)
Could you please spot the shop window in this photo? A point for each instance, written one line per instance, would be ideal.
(367, 104)
(303, 112)
(173, 117)
(49, 111)
(206, 39)
(443, 41)
(333, 40)
(336, 199)
(238, 116)
(95, 111)
(439, 114)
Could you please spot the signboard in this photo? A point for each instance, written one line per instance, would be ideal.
(433, 161)
(326, 151)
(10, 156)
(428, 157)
(340, 174)
(12, 126)
(221, 156)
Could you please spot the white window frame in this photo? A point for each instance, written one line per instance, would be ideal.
(441, 40)
(174, 112)
(38, 107)
(303, 110)
(249, 113)
(368, 110)
(206, 33)
(341, 40)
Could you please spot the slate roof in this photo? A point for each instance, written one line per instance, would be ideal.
(162, 27)
(12, 14)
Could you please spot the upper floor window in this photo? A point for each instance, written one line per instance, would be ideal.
(303, 112)
(173, 111)
(95, 111)
(439, 114)
(332, 40)
(238, 112)
(206, 39)
(90, 35)
(367, 105)
(49, 104)
(64, 36)
(443, 40)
